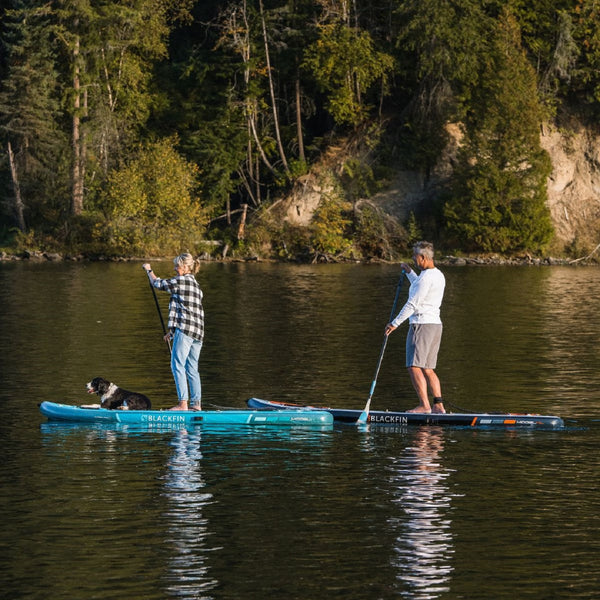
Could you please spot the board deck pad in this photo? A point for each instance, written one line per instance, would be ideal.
(288, 417)
(379, 417)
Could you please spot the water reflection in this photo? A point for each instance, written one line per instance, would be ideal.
(187, 534)
(570, 340)
(424, 545)
(515, 339)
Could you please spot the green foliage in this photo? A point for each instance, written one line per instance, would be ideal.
(439, 51)
(148, 68)
(219, 149)
(358, 179)
(540, 25)
(439, 44)
(586, 20)
(414, 232)
(370, 234)
(499, 194)
(113, 46)
(30, 105)
(345, 63)
(151, 204)
(330, 227)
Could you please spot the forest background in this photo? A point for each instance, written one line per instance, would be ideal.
(148, 127)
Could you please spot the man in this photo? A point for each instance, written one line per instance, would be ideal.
(422, 309)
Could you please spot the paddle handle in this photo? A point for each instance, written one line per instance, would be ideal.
(364, 416)
(398, 289)
(162, 322)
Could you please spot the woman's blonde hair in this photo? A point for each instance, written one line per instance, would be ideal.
(188, 261)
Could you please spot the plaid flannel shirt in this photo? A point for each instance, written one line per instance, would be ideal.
(185, 306)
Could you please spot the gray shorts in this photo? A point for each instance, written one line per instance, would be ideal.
(422, 345)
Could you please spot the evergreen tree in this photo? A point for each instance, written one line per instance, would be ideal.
(30, 111)
(108, 51)
(499, 200)
(586, 84)
(345, 63)
(540, 25)
(439, 46)
(236, 96)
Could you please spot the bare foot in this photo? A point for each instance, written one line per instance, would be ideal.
(439, 408)
(419, 409)
(180, 406)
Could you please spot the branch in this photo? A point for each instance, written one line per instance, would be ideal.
(572, 262)
(233, 212)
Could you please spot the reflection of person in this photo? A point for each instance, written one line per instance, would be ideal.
(422, 309)
(186, 328)
(424, 546)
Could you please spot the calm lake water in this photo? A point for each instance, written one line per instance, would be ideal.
(306, 514)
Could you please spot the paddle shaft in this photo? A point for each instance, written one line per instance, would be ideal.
(365, 414)
(162, 322)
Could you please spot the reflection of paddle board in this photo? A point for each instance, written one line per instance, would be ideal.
(379, 417)
(281, 417)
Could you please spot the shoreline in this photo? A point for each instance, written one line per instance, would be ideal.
(452, 261)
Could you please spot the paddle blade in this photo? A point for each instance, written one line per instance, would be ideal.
(364, 415)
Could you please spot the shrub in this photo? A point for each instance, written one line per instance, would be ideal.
(330, 227)
(151, 203)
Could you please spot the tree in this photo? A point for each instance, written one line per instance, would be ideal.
(30, 109)
(152, 203)
(109, 49)
(586, 84)
(499, 200)
(439, 46)
(345, 64)
(243, 32)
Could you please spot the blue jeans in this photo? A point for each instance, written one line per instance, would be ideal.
(184, 364)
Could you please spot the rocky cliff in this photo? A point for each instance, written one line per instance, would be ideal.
(573, 186)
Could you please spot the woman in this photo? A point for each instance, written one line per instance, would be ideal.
(186, 328)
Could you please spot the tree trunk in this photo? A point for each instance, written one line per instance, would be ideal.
(299, 121)
(252, 123)
(242, 225)
(17, 189)
(257, 179)
(77, 190)
(272, 90)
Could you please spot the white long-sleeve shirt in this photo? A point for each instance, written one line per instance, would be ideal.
(424, 298)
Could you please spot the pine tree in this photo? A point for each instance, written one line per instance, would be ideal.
(346, 63)
(586, 82)
(439, 44)
(499, 200)
(109, 49)
(30, 110)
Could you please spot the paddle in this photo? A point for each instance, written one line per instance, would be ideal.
(159, 313)
(364, 416)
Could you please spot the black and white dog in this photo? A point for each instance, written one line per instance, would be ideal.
(115, 397)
